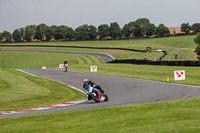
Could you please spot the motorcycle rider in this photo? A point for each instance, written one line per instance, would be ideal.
(65, 62)
(96, 88)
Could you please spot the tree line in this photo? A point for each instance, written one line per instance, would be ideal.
(142, 27)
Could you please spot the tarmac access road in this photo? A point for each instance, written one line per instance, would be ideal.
(121, 90)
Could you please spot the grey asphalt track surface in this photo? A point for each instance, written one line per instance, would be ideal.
(121, 90)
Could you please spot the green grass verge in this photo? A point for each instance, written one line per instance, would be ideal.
(148, 72)
(35, 60)
(180, 116)
(22, 91)
(167, 43)
(173, 116)
(182, 41)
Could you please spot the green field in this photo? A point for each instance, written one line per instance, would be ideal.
(28, 91)
(182, 42)
(169, 44)
(21, 91)
(182, 116)
(36, 60)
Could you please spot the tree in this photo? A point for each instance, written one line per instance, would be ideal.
(82, 32)
(0, 37)
(139, 27)
(197, 41)
(185, 27)
(92, 32)
(196, 27)
(162, 30)
(22, 33)
(103, 31)
(48, 33)
(16, 35)
(126, 31)
(30, 32)
(115, 30)
(59, 32)
(40, 32)
(51, 32)
(150, 30)
(70, 33)
(7, 35)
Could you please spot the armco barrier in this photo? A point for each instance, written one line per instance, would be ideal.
(166, 63)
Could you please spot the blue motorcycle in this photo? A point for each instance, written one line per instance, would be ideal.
(96, 94)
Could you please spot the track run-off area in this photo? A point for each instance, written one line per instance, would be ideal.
(121, 90)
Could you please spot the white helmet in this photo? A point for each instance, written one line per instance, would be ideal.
(85, 81)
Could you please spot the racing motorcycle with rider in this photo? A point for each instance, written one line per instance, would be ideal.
(94, 91)
(66, 65)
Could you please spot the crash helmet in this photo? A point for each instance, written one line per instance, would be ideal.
(85, 81)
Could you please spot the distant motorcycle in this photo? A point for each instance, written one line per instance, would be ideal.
(93, 95)
(66, 67)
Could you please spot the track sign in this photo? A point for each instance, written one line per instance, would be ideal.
(61, 66)
(44, 67)
(179, 75)
(93, 68)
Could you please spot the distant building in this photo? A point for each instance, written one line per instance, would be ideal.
(175, 30)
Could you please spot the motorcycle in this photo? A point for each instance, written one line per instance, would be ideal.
(93, 95)
(66, 67)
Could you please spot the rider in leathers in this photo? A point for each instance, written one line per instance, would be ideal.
(96, 88)
(65, 62)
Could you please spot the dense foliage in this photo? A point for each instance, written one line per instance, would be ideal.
(196, 27)
(197, 41)
(0, 36)
(140, 28)
(185, 27)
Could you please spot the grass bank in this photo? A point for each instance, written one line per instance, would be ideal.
(35, 60)
(181, 41)
(174, 116)
(21, 91)
(171, 44)
(148, 72)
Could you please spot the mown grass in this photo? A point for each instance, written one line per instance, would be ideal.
(22, 91)
(174, 116)
(182, 41)
(36, 60)
(169, 43)
(138, 55)
(148, 72)
(118, 54)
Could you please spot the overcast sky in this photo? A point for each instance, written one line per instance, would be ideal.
(15, 14)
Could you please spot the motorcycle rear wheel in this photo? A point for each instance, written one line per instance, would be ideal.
(95, 98)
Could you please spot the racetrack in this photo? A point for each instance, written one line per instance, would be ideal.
(121, 90)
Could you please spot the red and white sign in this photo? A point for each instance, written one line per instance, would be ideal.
(179, 75)
(44, 67)
(61, 66)
(93, 68)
